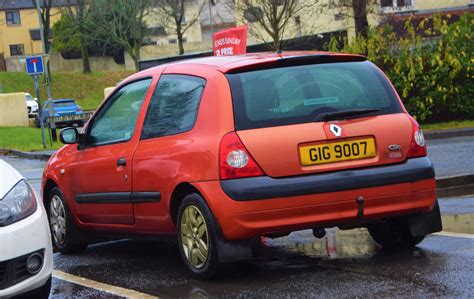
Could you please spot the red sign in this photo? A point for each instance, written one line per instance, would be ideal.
(230, 41)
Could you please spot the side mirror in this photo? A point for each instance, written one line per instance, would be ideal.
(69, 136)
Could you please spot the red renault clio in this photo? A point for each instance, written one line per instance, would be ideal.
(221, 150)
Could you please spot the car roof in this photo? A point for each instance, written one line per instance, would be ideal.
(229, 64)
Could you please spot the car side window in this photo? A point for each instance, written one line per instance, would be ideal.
(116, 121)
(174, 106)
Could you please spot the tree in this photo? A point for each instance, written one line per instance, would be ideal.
(79, 19)
(173, 17)
(272, 17)
(70, 33)
(45, 10)
(356, 9)
(119, 23)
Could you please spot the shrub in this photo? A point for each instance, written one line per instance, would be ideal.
(432, 72)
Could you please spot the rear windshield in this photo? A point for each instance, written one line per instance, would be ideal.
(64, 104)
(299, 94)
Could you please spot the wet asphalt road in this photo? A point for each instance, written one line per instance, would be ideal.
(452, 156)
(294, 266)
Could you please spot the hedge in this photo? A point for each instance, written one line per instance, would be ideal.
(432, 72)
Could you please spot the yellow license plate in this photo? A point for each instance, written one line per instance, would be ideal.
(337, 151)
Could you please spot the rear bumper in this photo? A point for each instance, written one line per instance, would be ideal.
(265, 187)
(321, 200)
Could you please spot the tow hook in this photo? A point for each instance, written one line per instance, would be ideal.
(360, 200)
(319, 232)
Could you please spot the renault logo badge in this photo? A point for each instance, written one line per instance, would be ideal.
(336, 130)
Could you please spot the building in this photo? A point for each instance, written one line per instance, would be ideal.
(317, 19)
(19, 27)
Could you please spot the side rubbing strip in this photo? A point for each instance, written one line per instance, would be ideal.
(118, 197)
(146, 196)
(106, 197)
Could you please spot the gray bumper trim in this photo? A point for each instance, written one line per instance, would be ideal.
(265, 187)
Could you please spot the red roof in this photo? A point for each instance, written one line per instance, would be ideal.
(227, 64)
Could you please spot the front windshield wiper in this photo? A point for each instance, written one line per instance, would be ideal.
(345, 113)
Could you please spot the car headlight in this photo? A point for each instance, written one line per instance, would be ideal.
(19, 203)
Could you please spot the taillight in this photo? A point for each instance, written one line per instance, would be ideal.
(234, 159)
(418, 144)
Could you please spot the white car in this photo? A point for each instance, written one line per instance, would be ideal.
(32, 105)
(26, 257)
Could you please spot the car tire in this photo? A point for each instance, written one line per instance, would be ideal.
(40, 293)
(394, 234)
(197, 230)
(65, 236)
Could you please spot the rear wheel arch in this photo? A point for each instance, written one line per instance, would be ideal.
(179, 193)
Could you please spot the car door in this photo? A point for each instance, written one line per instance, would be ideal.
(100, 174)
(165, 139)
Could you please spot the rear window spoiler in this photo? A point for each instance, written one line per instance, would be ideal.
(298, 60)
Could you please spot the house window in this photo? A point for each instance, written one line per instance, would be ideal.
(17, 50)
(298, 26)
(175, 40)
(390, 6)
(396, 3)
(13, 17)
(339, 17)
(253, 14)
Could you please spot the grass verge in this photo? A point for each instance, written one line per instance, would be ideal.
(87, 90)
(456, 124)
(25, 139)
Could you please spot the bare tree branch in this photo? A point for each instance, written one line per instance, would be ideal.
(270, 19)
(174, 15)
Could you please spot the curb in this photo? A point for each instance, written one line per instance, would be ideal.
(455, 186)
(28, 155)
(449, 133)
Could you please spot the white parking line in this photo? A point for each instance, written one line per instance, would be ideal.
(457, 235)
(114, 290)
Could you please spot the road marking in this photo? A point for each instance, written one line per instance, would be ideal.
(457, 235)
(114, 290)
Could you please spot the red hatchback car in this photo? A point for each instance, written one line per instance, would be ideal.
(221, 150)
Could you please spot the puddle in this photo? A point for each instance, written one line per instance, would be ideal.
(354, 243)
(336, 244)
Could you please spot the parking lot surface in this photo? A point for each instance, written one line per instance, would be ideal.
(295, 266)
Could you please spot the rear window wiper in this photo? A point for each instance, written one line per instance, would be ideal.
(345, 113)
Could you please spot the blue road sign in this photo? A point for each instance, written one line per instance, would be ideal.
(34, 65)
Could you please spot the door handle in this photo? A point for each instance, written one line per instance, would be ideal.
(121, 162)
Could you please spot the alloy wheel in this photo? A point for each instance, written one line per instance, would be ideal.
(194, 236)
(57, 219)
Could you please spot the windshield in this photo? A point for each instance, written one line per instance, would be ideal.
(28, 97)
(64, 104)
(300, 94)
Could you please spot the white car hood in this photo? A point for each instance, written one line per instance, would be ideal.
(9, 176)
(32, 104)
